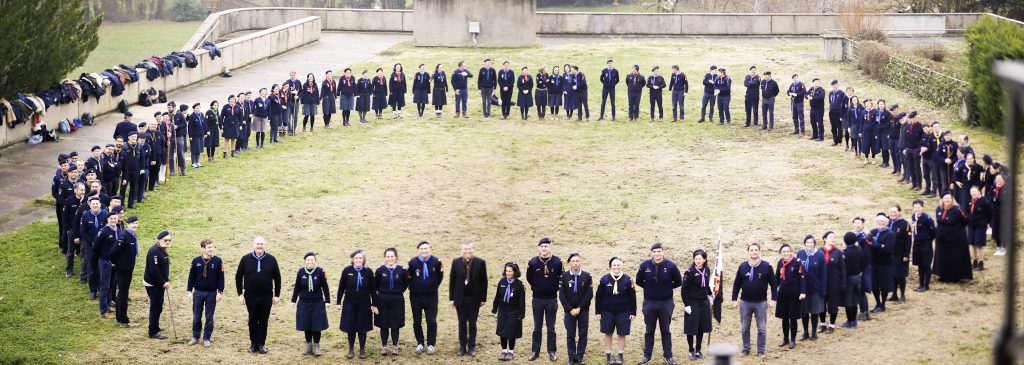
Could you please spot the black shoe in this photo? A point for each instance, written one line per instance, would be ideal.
(981, 265)
(814, 337)
(831, 329)
(670, 361)
(745, 353)
(876, 309)
(784, 343)
(919, 289)
(620, 359)
(534, 356)
(472, 352)
(252, 349)
(263, 349)
(351, 355)
(608, 358)
(92, 296)
(701, 120)
(644, 360)
(693, 356)
(760, 354)
(362, 354)
(893, 298)
(792, 345)
(903, 299)
(158, 336)
(805, 337)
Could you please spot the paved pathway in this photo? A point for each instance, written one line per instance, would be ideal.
(26, 171)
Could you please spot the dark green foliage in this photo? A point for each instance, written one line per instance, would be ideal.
(988, 40)
(44, 40)
(187, 10)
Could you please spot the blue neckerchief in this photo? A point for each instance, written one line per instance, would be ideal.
(391, 276)
(96, 220)
(426, 269)
(508, 289)
(575, 280)
(259, 260)
(751, 273)
(359, 277)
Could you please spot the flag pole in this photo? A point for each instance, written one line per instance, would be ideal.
(718, 278)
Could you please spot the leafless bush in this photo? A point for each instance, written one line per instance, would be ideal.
(873, 59)
(862, 22)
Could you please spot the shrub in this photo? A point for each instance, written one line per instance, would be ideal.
(188, 10)
(933, 52)
(862, 22)
(988, 40)
(873, 59)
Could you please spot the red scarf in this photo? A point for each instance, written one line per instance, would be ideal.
(828, 251)
(782, 270)
(973, 203)
(331, 82)
(998, 190)
(398, 76)
(945, 210)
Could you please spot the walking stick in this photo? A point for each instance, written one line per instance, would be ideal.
(167, 159)
(170, 305)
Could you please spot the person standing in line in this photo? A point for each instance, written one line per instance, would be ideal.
(555, 88)
(397, 88)
(609, 78)
(900, 253)
(467, 292)
(309, 97)
(797, 93)
(656, 83)
(276, 109)
(206, 288)
(380, 93)
(659, 277)
(260, 115)
(421, 90)
(106, 239)
(575, 292)
(635, 83)
(815, 280)
(816, 100)
(678, 87)
(506, 83)
(568, 91)
(364, 88)
(212, 124)
(615, 307)
(123, 257)
(838, 103)
(357, 302)
(525, 101)
(348, 91)
(753, 84)
(157, 279)
(291, 95)
(439, 97)
(979, 213)
(769, 90)
(923, 229)
(710, 79)
(754, 280)
(854, 256)
(952, 255)
(792, 290)
(509, 306)
(486, 82)
(854, 122)
(883, 242)
(579, 87)
(540, 96)
(311, 296)
(835, 272)
(460, 81)
(723, 92)
(390, 284)
(697, 298)
(231, 119)
(543, 273)
(425, 274)
(91, 223)
(248, 111)
(328, 96)
(258, 281)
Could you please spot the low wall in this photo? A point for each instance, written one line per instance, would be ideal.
(236, 53)
(503, 23)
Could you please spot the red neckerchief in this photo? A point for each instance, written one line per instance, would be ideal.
(309, 87)
(398, 76)
(828, 251)
(782, 270)
(998, 190)
(973, 203)
(945, 210)
(331, 82)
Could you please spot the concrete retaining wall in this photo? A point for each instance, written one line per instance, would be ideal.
(503, 23)
(236, 53)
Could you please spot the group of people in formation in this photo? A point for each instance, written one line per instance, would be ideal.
(94, 193)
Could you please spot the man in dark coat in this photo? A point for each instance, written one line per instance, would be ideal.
(157, 280)
(467, 292)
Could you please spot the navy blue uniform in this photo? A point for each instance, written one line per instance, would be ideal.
(576, 290)
(659, 281)
(816, 97)
(311, 293)
(205, 282)
(656, 83)
(883, 242)
(506, 87)
(797, 93)
(540, 95)
(723, 85)
(356, 294)
(88, 231)
(838, 102)
(231, 121)
(158, 268)
(380, 94)
(615, 302)
(391, 285)
(952, 255)
(750, 99)
(510, 306)
(769, 90)
(710, 79)
(635, 83)
(580, 91)
(397, 86)
(122, 258)
(679, 86)
(525, 100)
(424, 276)
(460, 82)
(923, 251)
(792, 284)
(543, 275)
(695, 292)
(609, 78)
(258, 281)
(106, 239)
(439, 97)
(487, 81)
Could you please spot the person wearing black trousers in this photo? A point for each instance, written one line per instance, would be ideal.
(328, 97)
(882, 242)
(883, 124)
(709, 81)
(525, 101)
(855, 265)
(816, 100)
(609, 78)
(656, 83)
(923, 229)
(574, 293)
(357, 302)
(347, 97)
(276, 111)
(391, 280)
(506, 81)
(510, 308)
(397, 88)
(425, 273)
(797, 93)
(696, 293)
(122, 258)
(678, 87)
(212, 125)
(157, 279)
(659, 277)
(900, 253)
(635, 83)
(205, 286)
(979, 213)
(309, 97)
(440, 95)
(258, 281)
(543, 273)
(723, 92)
(835, 272)
(311, 296)
(421, 90)
(792, 290)
(467, 292)
(540, 95)
(838, 102)
(579, 86)
(750, 100)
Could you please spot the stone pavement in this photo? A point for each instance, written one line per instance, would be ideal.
(26, 171)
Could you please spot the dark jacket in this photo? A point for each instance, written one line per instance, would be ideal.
(460, 79)
(697, 285)
(258, 278)
(605, 299)
(516, 300)
(883, 242)
(576, 291)
(709, 82)
(123, 254)
(418, 285)
(309, 93)
(488, 79)
(854, 256)
(158, 266)
(678, 82)
(838, 101)
(398, 82)
(656, 83)
(421, 82)
(724, 86)
(544, 283)
(658, 280)
(208, 276)
(106, 239)
(635, 83)
(506, 79)
(794, 282)
(754, 282)
(609, 78)
(320, 292)
(979, 212)
(799, 89)
(753, 84)
(816, 95)
(349, 287)
(476, 289)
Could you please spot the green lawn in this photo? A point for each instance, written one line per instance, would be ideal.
(128, 43)
(602, 189)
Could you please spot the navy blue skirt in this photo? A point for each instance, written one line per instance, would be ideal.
(540, 97)
(440, 97)
(555, 99)
(509, 324)
(524, 100)
(883, 278)
(362, 103)
(380, 102)
(328, 105)
(310, 316)
(390, 313)
(420, 96)
(356, 316)
(397, 100)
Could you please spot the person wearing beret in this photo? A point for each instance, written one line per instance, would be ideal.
(753, 84)
(723, 90)
(922, 226)
(656, 83)
(397, 89)
(460, 80)
(425, 273)
(568, 90)
(678, 87)
(797, 93)
(486, 82)
(157, 279)
(122, 259)
(540, 96)
(260, 116)
(555, 88)
(467, 292)
(309, 97)
(696, 293)
(709, 81)
(792, 290)
(231, 119)
(94, 162)
(525, 101)
(509, 306)
(882, 242)
(132, 162)
(835, 285)
(543, 273)
(439, 96)
(506, 83)
(106, 239)
(380, 93)
(313, 294)
(915, 139)
(816, 101)
(362, 92)
(883, 124)
(390, 284)
(196, 133)
(145, 158)
(575, 291)
(123, 127)
(93, 220)
(421, 90)
(213, 128)
(62, 188)
(248, 112)
(579, 86)
(609, 78)
(769, 90)
(206, 287)
(615, 307)
(900, 253)
(635, 83)
(258, 281)
(72, 216)
(157, 154)
(328, 97)
(838, 102)
(356, 299)
(659, 277)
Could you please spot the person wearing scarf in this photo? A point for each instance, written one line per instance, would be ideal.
(213, 123)
(995, 198)
(510, 307)
(313, 296)
(92, 222)
(901, 253)
(421, 89)
(696, 293)
(424, 276)
(231, 118)
(467, 292)
(835, 272)
(391, 281)
(952, 255)
(754, 278)
(979, 213)
(363, 90)
(328, 94)
(380, 93)
(854, 257)
(615, 306)
(659, 277)
(792, 290)
(206, 285)
(543, 273)
(106, 239)
(156, 279)
(123, 257)
(357, 300)
(439, 96)
(882, 242)
(396, 85)
(813, 307)
(575, 292)
(258, 281)
(309, 96)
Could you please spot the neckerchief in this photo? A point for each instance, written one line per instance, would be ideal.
(545, 263)
(782, 270)
(657, 268)
(359, 277)
(508, 289)
(205, 263)
(309, 276)
(426, 269)
(391, 276)
(259, 260)
(615, 279)
(468, 264)
(974, 202)
(703, 277)
(575, 279)
(752, 266)
(828, 251)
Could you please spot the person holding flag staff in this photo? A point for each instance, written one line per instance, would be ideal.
(696, 294)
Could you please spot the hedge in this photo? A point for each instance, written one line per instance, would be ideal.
(988, 40)
(878, 61)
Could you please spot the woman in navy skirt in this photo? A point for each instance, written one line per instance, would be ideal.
(347, 91)
(390, 281)
(813, 306)
(328, 92)
(952, 255)
(792, 290)
(397, 86)
(615, 306)
(570, 95)
(364, 88)
(979, 213)
(380, 93)
(440, 95)
(311, 297)
(355, 299)
(212, 130)
(525, 85)
(510, 307)
(275, 107)
(835, 279)
(540, 95)
(288, 104)
(309, 96)
(421, 90)
(696, 290)
(555, 90)
(231, 122)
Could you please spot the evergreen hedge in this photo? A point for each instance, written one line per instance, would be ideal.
(988, 40)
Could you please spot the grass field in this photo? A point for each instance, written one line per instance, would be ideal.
(128, 43)
(602, 189)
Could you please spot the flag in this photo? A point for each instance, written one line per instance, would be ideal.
(716, 290)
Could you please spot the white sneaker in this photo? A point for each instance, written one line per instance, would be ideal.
(431, 350)
(1000, 252)
(419, 349)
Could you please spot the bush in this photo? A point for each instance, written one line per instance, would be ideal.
(935, 53)
(873, 59)
(988, 40)
(188, 10)
(862, 22)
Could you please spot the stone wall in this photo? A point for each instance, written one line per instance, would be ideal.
(236, 53)
(503, 23)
